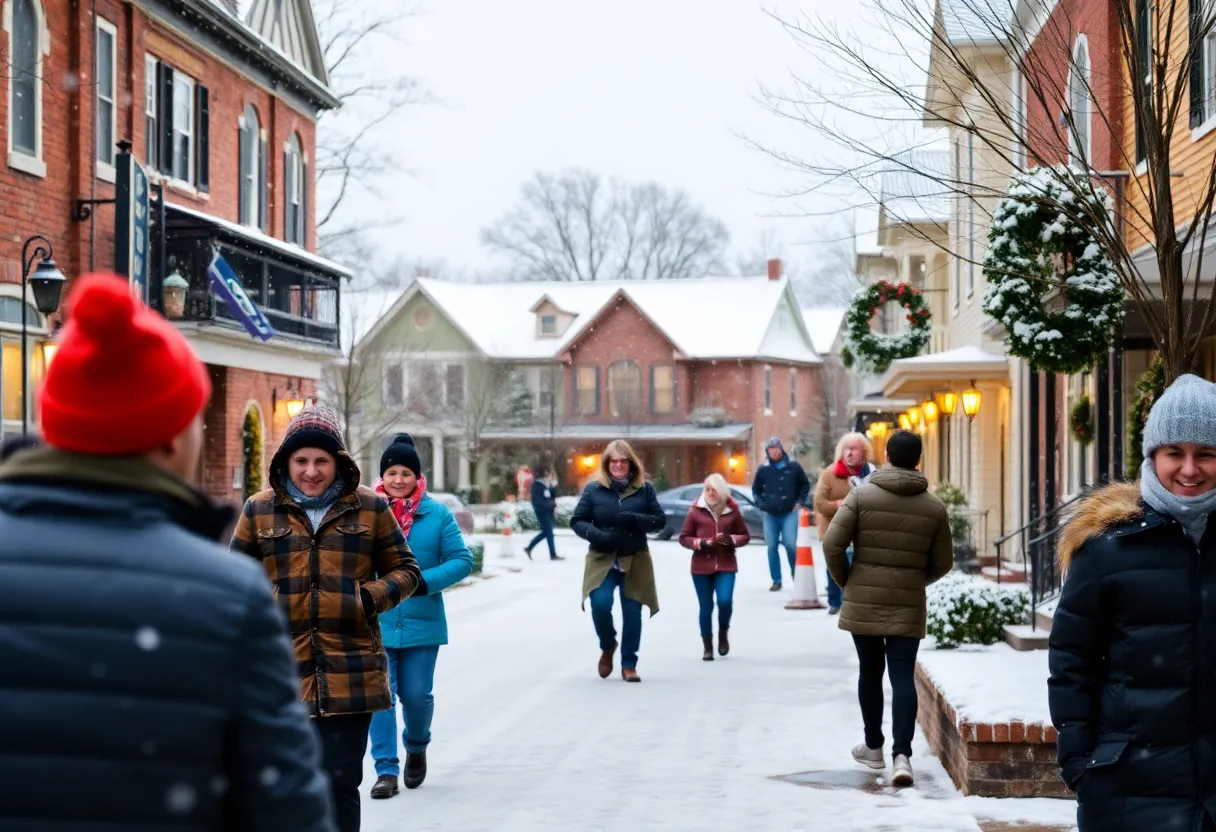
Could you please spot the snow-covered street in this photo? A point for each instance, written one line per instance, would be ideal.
(527, 736)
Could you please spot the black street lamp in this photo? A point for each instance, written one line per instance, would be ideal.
(47, 284)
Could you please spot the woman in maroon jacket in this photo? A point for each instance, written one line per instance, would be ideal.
(713, 529)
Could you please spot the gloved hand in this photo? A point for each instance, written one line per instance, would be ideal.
(627, 520)
(723, 539)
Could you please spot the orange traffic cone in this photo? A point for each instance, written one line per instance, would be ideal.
(507, 548)
(806, 593)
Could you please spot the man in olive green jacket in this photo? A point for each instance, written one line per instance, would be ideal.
(900, 535)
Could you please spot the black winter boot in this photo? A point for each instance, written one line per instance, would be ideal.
(723, 643)
(708, 643)
(415, 769)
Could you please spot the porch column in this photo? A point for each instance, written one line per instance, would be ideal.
(465, 480)
(1051, 424)
(437, 463)
(1032, 484)
(1116, 402)
(1103, 426)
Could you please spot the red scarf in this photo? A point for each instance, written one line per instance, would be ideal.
(404, 510)
(844, 472)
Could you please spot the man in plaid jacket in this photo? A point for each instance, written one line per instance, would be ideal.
(336, 559)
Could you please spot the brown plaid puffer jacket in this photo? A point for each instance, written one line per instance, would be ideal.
(317, 578)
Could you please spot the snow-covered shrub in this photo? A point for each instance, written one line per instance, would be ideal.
(478, 550)
(967, 610)
(525, 515)
(709, 417)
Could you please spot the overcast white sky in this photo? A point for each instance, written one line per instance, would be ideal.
(642, 89)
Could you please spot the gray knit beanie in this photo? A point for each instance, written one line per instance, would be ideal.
(1186, 412)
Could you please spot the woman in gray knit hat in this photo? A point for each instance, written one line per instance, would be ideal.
(1133, 641)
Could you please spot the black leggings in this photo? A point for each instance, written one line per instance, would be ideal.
(898, 655)
(343, 745)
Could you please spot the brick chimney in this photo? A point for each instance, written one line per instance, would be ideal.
(775, 269)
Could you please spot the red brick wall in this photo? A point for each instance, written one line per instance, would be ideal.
(223, 449)
(29, 204)
(1048, 62)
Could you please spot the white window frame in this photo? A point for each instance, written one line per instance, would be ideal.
(956, 285)
(253, 210)
(793, 391)
(1078, 152)
(18, 159)
(105, 166)
(768, 390)
(551, 320)
(180, 80)
(1142, 164)
(1208, 64)
(970, 215)
(152, 111)
(295, 150)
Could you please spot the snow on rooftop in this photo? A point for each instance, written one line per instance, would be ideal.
(915, 187)
(824, 322)
(959, 355)
(705, 318)
(975, 22)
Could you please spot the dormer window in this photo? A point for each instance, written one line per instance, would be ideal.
(548, 324)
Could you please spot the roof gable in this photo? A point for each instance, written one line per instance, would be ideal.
(612, 307)
(289, 26)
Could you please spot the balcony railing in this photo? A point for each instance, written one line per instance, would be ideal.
(299, 303)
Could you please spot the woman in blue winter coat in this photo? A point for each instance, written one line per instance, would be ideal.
(414, 630)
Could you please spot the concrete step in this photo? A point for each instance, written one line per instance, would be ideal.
(1022, 637)
(1006, 573)
(1043, 620)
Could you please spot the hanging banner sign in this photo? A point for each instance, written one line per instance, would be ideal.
(131, 217)
(226, 286)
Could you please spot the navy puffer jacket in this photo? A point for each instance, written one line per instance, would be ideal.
(779, 490)
(146, 680)
(1133, 667)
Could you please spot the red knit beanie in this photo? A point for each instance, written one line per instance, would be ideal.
(124, 381)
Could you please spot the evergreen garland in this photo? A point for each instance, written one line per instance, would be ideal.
(1150, 386)
(251, 436)
(1034, 250)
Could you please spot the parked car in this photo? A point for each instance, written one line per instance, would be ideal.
(464, 517)
(677, 501)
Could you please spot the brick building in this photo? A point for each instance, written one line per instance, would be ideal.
(697, 374)
(221, 114)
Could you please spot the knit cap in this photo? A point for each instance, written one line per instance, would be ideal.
(401, 451)
(314, 427)
(775, 442)
(124, 381)
(1186, 412)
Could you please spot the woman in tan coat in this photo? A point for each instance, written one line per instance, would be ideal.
(851, 468)
(900, 535)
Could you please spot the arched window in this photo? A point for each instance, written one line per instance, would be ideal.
(1079, 104)
(295, 176)
(252, 210)
(28, 42)
(624, 388)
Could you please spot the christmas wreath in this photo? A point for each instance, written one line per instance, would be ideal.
(868, 350)
(1081, 421)
(1037, 245)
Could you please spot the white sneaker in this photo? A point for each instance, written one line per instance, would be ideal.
(871, 757)
(902, 767)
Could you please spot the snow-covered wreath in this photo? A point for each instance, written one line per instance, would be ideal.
(1037, 245)
(868, 350)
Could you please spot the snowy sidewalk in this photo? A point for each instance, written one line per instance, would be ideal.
(527, 736)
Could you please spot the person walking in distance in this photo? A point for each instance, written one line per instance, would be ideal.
(850, 469)
(414, 630)
(617, 509)
(337, 559)
(544, 506)
(780, 487)
(714, 529)
(900, 536)
(162, 693)
(1131, 686)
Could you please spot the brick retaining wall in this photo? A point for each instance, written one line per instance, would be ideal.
(1008, 759)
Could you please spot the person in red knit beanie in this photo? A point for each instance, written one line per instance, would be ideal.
(162, 683)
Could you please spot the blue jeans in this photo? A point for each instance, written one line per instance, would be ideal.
(723, 583)
(631, 614)
(545, 521)
(835, 593)
(411, 675)
(785, 527)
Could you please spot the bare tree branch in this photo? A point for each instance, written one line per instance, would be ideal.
(574, 226)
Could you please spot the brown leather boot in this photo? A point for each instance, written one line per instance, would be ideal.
(630, 675)
(723, 643)
(708, 643)
(386, 786)
(606, 662)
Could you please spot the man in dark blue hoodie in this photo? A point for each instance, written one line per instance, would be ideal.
(780, 487)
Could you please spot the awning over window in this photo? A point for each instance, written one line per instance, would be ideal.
(915, 377)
